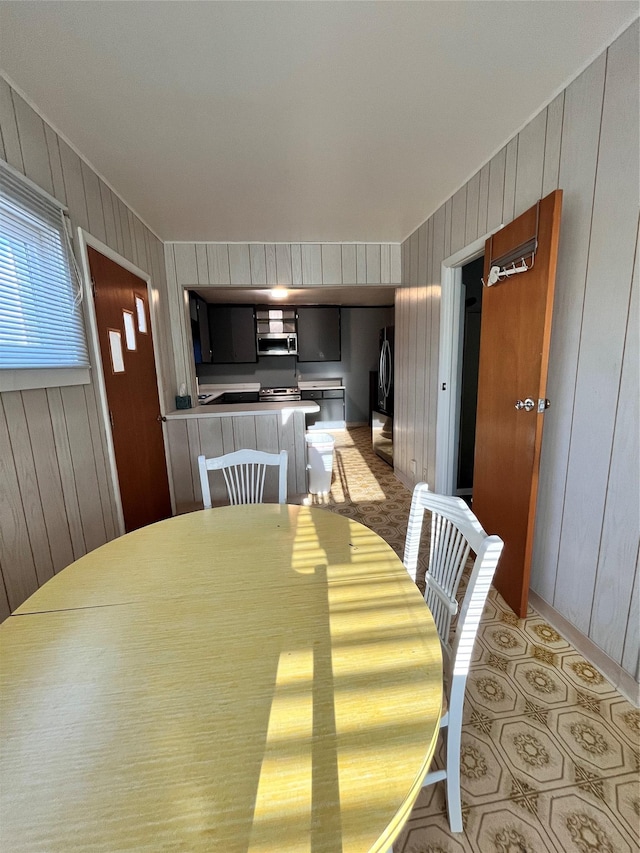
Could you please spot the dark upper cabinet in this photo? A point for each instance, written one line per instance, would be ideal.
(233, 334)
(199, 314)
(319, 333)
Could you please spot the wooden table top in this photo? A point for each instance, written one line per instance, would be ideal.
(259, 678)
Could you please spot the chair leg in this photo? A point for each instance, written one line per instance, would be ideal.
(454, 805)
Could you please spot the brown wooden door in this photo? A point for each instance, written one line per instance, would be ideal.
(126, 347)
(514, 355)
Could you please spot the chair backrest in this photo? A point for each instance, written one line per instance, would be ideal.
(244, 474)
(455, 531)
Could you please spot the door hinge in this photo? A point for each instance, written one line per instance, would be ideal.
(111, 418)
(93, 286)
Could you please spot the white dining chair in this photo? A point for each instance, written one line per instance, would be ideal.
(244, 475)
(455, 532)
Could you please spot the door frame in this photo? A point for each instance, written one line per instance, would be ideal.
(86, 240)
(450, 362)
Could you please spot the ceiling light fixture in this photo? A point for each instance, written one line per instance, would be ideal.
(279, 292)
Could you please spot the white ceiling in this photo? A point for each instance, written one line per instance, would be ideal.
(295, 121)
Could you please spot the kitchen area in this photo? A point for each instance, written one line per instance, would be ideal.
(272, 370)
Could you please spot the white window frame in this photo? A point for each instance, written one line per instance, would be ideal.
(26, 378)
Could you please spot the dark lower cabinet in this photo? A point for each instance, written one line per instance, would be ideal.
(233, 334)
(331, 402)
(319, 333)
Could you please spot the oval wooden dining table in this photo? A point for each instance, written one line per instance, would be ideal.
(257, 678)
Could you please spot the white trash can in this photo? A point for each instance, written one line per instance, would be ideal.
(319, 461)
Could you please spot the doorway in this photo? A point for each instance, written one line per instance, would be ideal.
(122, 325)
(520, 267)
(471, 308)
(450, 366)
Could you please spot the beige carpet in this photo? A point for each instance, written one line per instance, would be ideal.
(550, 751)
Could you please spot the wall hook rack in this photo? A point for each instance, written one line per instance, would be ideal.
(497, 273)
(505, 265)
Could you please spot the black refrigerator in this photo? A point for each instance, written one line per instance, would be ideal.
(382, 414)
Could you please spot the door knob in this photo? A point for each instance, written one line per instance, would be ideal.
(528, 405)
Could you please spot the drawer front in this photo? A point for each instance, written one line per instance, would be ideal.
(333, 394)
(312, 394)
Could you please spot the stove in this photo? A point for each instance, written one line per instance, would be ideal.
(276, 395)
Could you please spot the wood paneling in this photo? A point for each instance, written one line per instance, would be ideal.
(9, 127)
(585, 142)
(106, 197)
(331, 263)
(471, 215)
(496, 190)
(283, 264)
(349, 263)
(296, 264)
(458, 219)
(615, 573)
(483, 200)
(287, 264)
(74, 185)
(190, 437)
(270, 264)
(56, 499)
(530, 163)
(510, 167)
(49, 481)
(239, 266)
(553, 139)
(33, 144)
(394, 251)
(602, 336)
(56, 164)
(16, 555)
(311, 263)
(373, 263)
(580, 134)
(218, 257)
(202, 265)
(28, 485)
(361, 264)
(94, 202)
(631, 653)
(185, 263)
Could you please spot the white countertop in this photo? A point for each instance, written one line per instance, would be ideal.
(213, 390)
(222, 410)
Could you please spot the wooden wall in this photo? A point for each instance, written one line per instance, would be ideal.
(273, 432)
(56, 500)
(585, 563)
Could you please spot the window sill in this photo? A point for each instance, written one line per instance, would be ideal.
(46, 377)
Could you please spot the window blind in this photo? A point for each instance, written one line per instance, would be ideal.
(41, 323)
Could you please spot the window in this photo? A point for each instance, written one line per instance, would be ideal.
(41, 326)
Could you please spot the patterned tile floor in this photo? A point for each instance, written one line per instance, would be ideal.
(550, 751)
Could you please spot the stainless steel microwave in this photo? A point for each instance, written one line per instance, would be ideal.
(277, 343)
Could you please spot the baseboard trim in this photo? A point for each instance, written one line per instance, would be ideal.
(612, 671)
(406, 482)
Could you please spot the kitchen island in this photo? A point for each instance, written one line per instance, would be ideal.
(221, 428)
